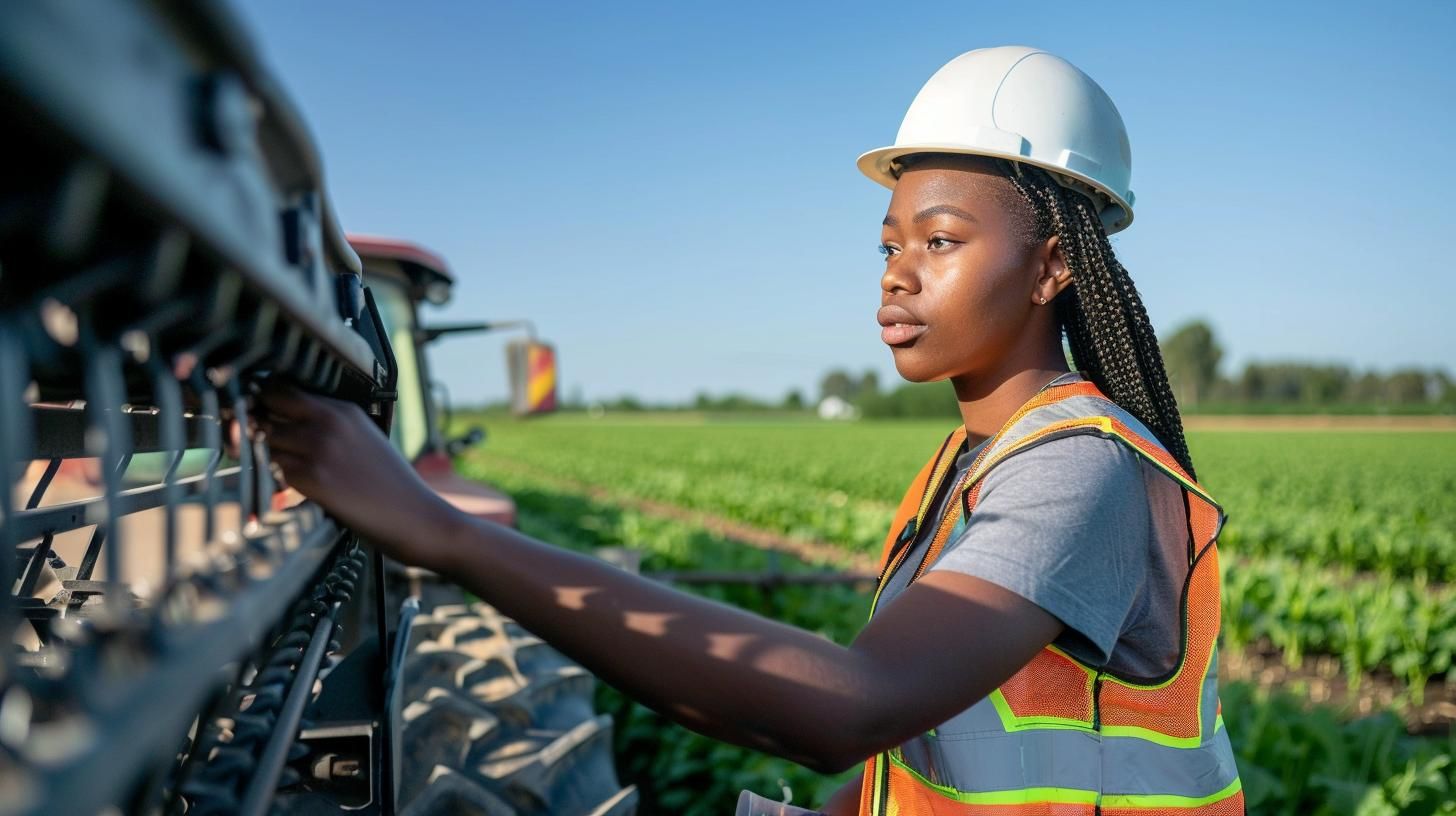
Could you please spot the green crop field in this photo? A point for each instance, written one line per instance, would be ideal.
(1340, 546)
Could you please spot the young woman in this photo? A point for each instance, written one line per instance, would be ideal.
(1043, 637)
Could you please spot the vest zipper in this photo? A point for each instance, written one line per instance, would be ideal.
(907, 535)
(1097, 728)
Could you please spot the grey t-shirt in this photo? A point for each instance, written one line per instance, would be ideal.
(1089, 531)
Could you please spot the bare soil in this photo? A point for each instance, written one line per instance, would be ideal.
(1323, 681)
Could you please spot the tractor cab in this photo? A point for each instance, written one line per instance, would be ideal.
(402, 275)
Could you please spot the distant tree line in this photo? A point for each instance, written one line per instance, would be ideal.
(1191, 354)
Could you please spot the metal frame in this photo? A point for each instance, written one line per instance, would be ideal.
(166, 245)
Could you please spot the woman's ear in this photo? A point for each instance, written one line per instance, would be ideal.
(1054, 275)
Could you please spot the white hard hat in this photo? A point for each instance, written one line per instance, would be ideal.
(1025, 105)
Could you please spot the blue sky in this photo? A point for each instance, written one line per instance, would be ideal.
(668, 190)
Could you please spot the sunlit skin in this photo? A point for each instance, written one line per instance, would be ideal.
(955, 259)
(944, 643)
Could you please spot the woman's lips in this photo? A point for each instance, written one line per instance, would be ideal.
(899, 333)
(899, 324)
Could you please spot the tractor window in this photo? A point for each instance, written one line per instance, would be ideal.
(411, 425)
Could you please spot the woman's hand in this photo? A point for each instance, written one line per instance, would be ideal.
(945, 642)
(331, 451)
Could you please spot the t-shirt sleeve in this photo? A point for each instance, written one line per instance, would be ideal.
(1066, 525)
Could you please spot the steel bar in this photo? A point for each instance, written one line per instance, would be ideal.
(38, 492)
(212, 440)
(264, 784)
(151, 711)
(60, 433)
(13, 432)
(60, 518)
(122, 123)
(247, 480)
(35, 567)
(173, 431)
(105, 390)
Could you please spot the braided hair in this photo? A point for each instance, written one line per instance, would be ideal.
(1101, 313)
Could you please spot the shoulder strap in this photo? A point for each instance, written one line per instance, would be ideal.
(1092, 414)
(917, 497)
(1107, 419)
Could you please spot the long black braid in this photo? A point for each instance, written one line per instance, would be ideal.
(1106, 325)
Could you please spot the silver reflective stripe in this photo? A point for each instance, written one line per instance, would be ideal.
(987, 762)
(980, 718)
(1137, 766)
(1209, 705)
(973, 752)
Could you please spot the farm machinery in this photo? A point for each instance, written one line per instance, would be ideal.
(182, 637)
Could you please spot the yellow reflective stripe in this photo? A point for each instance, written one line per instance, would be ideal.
(1169, 800)
(1018, 796)
(1138, 732)
(1101, 423)
(1011, 722)
(943, 464)
(1008, 719)
(947, 459)
(1141, 733)
(1192, 486)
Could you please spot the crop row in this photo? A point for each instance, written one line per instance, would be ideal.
(1370, 622)
(1374, 502)
(1293, 758)
(1375, 621)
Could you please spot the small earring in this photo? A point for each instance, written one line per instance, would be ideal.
(1043, 301)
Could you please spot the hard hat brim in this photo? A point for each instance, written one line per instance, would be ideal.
(1115, 210)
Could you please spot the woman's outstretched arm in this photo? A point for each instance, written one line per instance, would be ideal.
(946, 642)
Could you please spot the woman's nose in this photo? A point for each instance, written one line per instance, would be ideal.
(900, 275)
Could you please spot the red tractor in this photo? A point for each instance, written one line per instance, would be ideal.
(547, 742)
(403, 275)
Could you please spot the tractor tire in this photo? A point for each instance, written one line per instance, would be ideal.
(497, 723)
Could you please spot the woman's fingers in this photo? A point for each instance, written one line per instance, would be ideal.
(288, 437)
(285, 402)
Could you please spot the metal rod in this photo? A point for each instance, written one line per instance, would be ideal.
(35, 567)
(93, 552)
(60, 433)
(247, 483)
(14, 373)
(264, 784)
(60, 518)
(212, 439)
(172, 437)
(105, 393)
(38, 492)
(149, 713)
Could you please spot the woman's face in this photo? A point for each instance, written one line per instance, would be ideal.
(960, 271)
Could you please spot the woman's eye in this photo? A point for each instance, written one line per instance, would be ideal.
(888, 251)
(940, 243)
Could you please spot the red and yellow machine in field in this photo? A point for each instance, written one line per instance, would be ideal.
(402, 276)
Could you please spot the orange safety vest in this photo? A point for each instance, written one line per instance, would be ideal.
(1062, 737)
